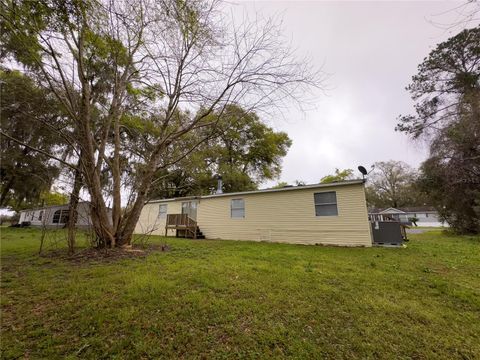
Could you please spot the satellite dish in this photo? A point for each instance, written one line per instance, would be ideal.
(362, 170)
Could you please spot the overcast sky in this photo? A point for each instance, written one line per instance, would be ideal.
(371, 50)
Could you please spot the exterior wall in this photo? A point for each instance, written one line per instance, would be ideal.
(289, 216)
(424, 217)
(23, 215)
(150, 223)
(83, 217)
(281, 216)
(48, 216)
(33, 216)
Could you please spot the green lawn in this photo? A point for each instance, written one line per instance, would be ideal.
(227, 299)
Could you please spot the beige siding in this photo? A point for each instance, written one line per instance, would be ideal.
(289, 216)
(149, 221)
(283, 216)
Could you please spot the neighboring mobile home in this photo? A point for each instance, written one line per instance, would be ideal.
(330, 214)
(56, 215)
(426, 215)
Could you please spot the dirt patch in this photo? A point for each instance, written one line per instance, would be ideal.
(93, 255)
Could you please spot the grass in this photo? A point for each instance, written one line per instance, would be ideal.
(227, 299)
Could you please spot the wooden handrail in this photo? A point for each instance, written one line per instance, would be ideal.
(183, 222)
(372, 217)
(382, 217)
(180, 220)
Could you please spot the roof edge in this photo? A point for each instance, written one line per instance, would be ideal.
(51, 206)
(263, 191)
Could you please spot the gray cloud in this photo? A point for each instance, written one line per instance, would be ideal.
(371, 49)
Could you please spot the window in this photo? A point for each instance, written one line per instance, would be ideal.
(56, 217)
(190, 208)
(237, 208)
(162, 211)
(426, 215)
(40, 216)
(60, 216)
(326, 203)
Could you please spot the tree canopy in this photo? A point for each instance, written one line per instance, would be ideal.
(138, 80)
(393, 184)
(447, 95)
(28, 113)
(447, 81)
(241, 148)
(339, 175)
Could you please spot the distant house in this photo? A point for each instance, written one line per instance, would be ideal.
(334, 214)
(426, 215)
(56, 215)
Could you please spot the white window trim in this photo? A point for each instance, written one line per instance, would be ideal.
(231, 209)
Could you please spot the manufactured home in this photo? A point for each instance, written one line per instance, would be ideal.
(425, 215)
(329, 214)
(55, 216)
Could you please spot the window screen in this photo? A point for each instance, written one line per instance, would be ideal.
(237, 207)
(326, 203)
(162, 211)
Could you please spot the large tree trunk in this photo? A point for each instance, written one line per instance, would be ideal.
(101, 221)
(131, 221)
(116, 176)
(133, 215)
(115, 114)
(4, 198)
(106, 225)
(72, 211)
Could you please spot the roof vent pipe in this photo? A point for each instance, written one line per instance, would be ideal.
(219, 185)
